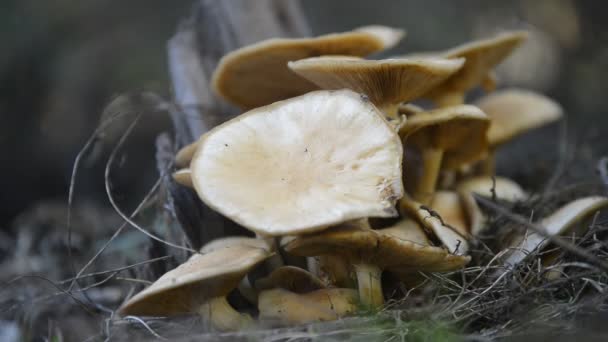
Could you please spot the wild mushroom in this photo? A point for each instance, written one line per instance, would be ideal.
(481, 57)
(453, 238)
(185, 154)
(301, 165)
(447, 138)
(492, 187)
(263, 66)
(290, 278)
(200, 285)
(387, 83)
(183, 177)
(321, 305)
(513, 112)
(562, 221)
(370, 252)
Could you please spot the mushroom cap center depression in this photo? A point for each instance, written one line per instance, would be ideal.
(301, 164)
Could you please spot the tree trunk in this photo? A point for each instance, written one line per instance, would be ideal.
(214, 29)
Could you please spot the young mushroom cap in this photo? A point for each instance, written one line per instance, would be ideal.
(481, 57)
(501, 187)
(454, 239)
(387, 82)
(516, 111)
(449, 206)
(183, 177)
(290, 278)
(460, 131)
(257, 75)
(560, 222)
(301, 165)
(320, 305)
(193, 283)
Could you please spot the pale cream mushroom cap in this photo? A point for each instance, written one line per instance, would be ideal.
(481, 57)
(504, 189)
(449, 206)
(387, 82)
(460, 131)
(516, 111)
(301, 165)
(257, 75)
(185, 154)
(560, 222)
(236, 241)
(320, 305)
(201, 278)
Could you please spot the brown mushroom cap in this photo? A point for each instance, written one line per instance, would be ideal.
(290, 278)
(558, 223)
(320, 305)
(301, 165)
(201, 278)
(393, 249)
(503, 188)
(387, 82)
(515, 111)
(257, 75)
(481, 57)
(460, 131)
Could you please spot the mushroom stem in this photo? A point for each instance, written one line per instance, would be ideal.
(431, 161)
(488, 165)
(223, 316)
(370, 285)
(450, 99)
(391, 111)
(248, 291)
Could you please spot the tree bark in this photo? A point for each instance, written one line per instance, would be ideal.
(215, 28)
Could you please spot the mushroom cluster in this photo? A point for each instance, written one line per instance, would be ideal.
(330, 142)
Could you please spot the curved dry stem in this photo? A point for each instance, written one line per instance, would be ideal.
(431, 161)
(370, 285)
(223, 316)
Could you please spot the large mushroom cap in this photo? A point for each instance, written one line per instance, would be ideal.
(460, 131)
(257, 75)
(301, 165)
(558, 223)
(385, 82)
(202, 277)
(515, 111)
(395, 248)
(481, 57)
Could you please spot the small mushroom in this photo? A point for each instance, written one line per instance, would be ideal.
(290, 278)
(560, 222)
(183, 177)
(450, 207)
(499, 187)
(387, 83)
(454, 238)
(200, 285)
(185, 154)
(321, 305)
(257, 75)
(447, 138)
(481, 57)
(372, 251)
(301, 165)
(513, 112)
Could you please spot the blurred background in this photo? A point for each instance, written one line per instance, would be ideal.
(63, 61)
